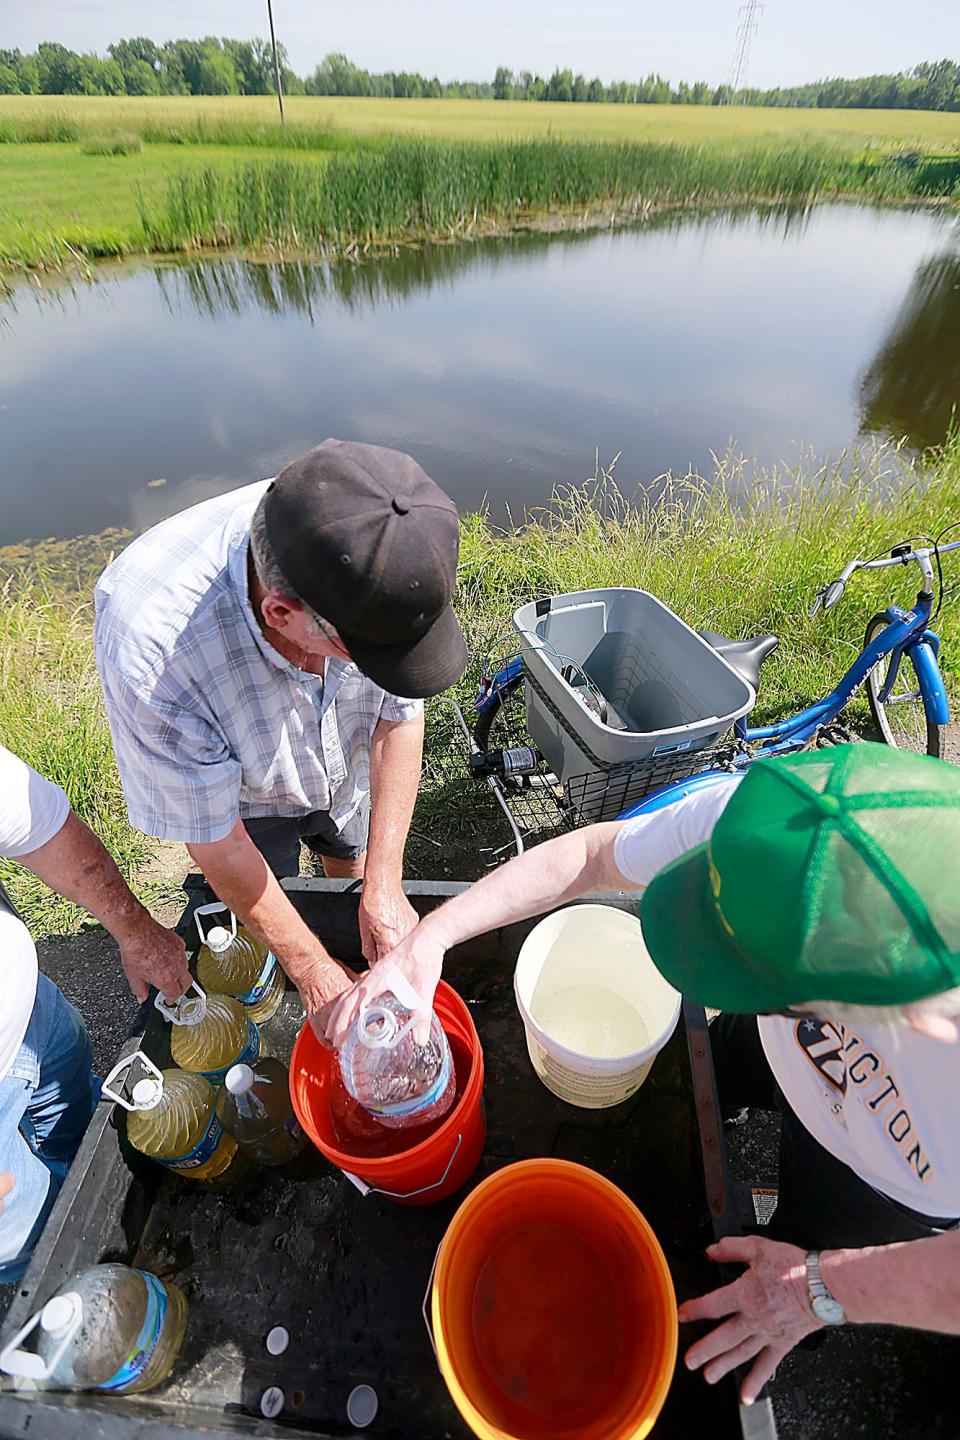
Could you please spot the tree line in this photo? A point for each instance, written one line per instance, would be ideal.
(245, 67)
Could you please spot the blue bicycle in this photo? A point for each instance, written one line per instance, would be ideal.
(899, 663)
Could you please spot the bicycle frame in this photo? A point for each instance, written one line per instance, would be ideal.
(907, 633)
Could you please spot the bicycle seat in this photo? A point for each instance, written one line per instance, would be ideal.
(746, 656)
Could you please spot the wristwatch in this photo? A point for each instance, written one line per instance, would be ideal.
(822, 1303)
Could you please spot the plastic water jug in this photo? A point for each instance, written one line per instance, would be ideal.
(254, 1107)
(398, 1081)
(109, 1328)
(231, 961)
(211, 1033)
(172, 1119)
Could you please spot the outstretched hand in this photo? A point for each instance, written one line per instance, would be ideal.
(765, 1312)
(420, 959)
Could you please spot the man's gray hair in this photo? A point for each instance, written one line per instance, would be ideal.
(891, 1019)
(270, 575)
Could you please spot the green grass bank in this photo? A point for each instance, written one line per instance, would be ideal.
(115, 193)
(739, 551)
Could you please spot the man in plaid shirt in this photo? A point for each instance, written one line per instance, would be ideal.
(263, 657)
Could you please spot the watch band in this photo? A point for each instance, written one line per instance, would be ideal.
(825, 1306)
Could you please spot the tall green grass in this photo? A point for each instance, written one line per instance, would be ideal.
(51, 714)
(739, 551)
(410, 187)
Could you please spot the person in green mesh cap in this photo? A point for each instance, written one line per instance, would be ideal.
(815, 901)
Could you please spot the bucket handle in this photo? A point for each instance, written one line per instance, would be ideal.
(425, 1307)
(366, 1189)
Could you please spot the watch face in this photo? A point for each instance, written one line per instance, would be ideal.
(828, 1310)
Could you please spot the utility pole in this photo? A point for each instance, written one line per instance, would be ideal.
(749, 24)
(276, 62)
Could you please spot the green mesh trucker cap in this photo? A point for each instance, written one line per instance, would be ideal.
(830, 875)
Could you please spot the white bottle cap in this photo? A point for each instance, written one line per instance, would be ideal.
(59, 1314)
(278, 1340)
(272, 1401)
(147, 1093)
(218, 939)
(362, 1406)
(239, 1079)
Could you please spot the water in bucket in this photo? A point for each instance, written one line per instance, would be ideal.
(595, 1008)
(590, 1019)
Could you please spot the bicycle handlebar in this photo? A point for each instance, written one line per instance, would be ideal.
(828, 596)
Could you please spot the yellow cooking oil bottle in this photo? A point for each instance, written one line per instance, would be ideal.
(254, 1107)
(210, 1033)
(231, 961)
(172, 1118)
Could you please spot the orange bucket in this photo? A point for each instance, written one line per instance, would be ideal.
(553, 1309)
(429, 1170)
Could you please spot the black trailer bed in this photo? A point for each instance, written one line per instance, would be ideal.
(346, 1274)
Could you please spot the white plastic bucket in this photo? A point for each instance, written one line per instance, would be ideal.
(596, 949)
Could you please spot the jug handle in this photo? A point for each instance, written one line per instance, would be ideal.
(216, 907)
(396, 983)
(118, 1070)
(27, 1364)
(189, 1009)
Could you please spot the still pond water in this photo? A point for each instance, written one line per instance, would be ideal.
(502, 366)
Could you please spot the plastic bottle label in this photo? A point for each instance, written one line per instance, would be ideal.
(255, 994)
(147, 1341)
(248, 1056)
(422, 1102)
(292, 1126)
(201, 1152)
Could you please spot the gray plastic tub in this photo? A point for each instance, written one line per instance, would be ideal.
(667, 691)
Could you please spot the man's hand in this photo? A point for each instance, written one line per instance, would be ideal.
(386, 918)
(767, 1309)
(419, 957)
(321, 991)
(152, 955)
(6, 1185)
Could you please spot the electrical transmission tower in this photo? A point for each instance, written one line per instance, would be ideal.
(749, 23)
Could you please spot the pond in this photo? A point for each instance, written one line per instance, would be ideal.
(504, 365)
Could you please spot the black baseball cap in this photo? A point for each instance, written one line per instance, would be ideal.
(365, 537)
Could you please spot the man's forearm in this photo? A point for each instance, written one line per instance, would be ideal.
(242, 879)
(553, 874)
(76, 864)
(396, 755)
(916, 1283)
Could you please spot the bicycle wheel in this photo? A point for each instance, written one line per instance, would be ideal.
(901, 718)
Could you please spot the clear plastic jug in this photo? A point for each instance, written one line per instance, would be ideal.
(109, 1328)
(399, 1082)
(231, 961)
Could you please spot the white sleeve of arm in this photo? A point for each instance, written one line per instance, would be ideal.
(645, 846)
(32, 809)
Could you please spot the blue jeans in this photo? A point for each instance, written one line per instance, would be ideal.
(47, 1099)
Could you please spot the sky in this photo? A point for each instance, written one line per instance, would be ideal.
(798, 40)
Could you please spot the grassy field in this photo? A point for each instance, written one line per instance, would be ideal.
(254, 119)
(59, 190)
(738, 555)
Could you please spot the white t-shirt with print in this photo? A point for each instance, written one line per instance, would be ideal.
(885, 1103)
(32, 811)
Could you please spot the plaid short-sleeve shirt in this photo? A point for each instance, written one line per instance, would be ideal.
(209, 721)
